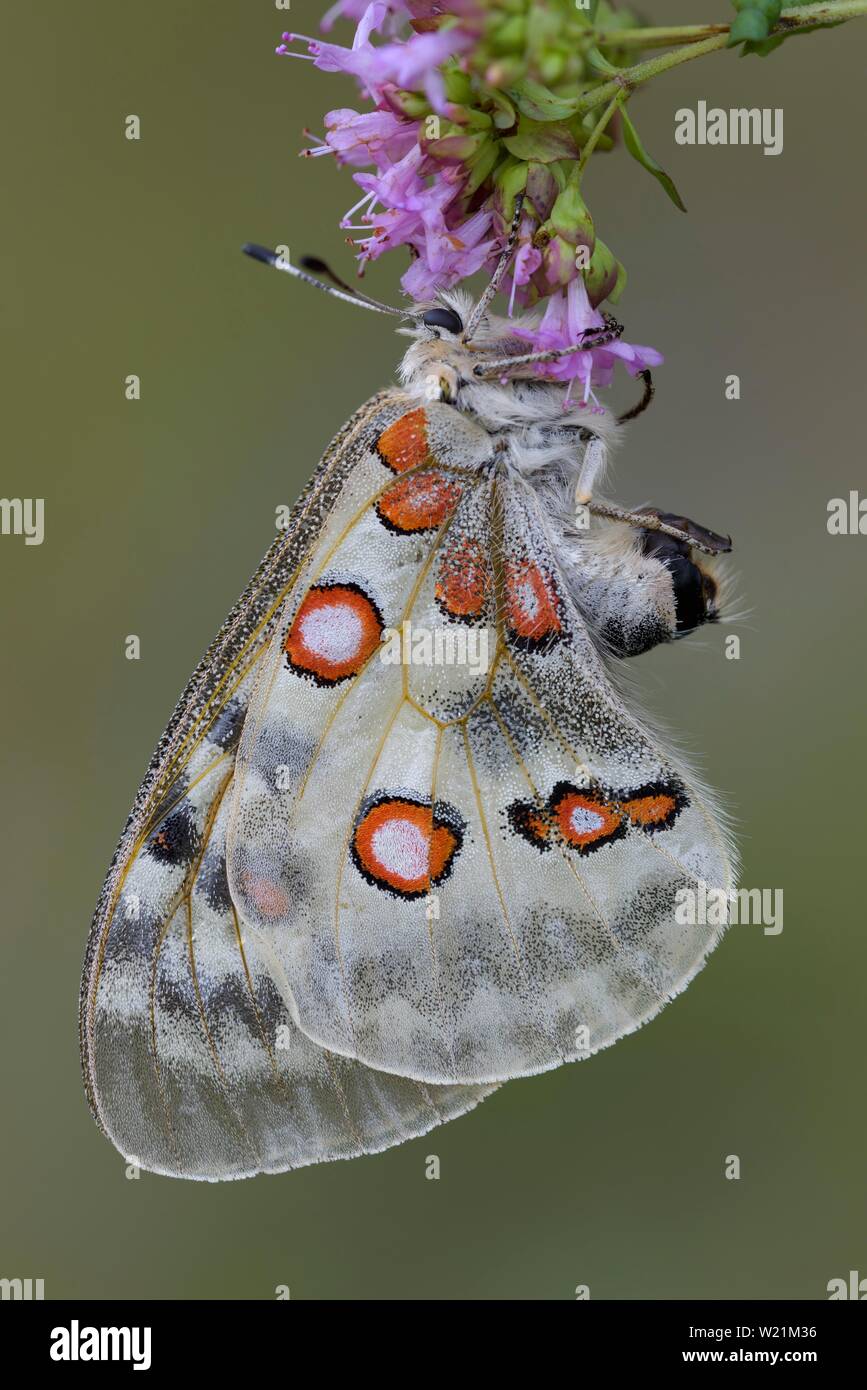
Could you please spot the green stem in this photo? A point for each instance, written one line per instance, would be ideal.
(658, 37)
(789, 22)
(598, 129)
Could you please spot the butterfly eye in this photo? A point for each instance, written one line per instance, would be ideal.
(441, 317)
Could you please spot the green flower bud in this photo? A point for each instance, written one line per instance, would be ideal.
(411, 104)
(459, 88)
(559, 257)
(510, 180)
(472, 117)
(750, 25)
(570, 218)
(481, 165)
(543, 184)
(605, 277)
(771, 9)
(454, 147)
(505, 115)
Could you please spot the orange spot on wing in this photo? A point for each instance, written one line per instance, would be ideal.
(530, 822)
(400, 845)
(532, 602)
(655, 809)
(404, 444)
(419, 503)
(585, 820)
(464, 579)
(335, 631)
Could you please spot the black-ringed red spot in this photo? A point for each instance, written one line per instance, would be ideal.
(404, 846)
(420, 503)
(654, 807)
(533, 606)
(404, 444)
(335, 631)
(585, 819)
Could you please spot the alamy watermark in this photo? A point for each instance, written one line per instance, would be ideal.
(440, 646)
(23, 516)
(739, 125)
(715, 907)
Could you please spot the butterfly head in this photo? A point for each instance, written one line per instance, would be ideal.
(456, 349)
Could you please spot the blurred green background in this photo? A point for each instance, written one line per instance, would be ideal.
(123, 257)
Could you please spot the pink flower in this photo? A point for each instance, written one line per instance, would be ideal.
(449, 255)
(367, 137)
(527, 261)
(567, 316)
(410, 206)
(438, 195)
(411, 64)
(425, 216)
(393, 11)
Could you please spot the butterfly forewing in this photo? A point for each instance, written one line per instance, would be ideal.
(192, 1060)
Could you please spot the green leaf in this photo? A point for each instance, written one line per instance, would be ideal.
(542, 141)
(481, 167)
(637, 150)
(540, 104)
(505, 116)
(601, 64)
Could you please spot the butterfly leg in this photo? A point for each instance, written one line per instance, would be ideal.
(638, 581)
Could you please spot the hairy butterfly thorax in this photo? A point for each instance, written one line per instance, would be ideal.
(403, 838)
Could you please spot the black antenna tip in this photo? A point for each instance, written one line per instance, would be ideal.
(260, 253)
(313, 263)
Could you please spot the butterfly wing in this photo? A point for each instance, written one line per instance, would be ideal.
(193, 1062)
(469, 870)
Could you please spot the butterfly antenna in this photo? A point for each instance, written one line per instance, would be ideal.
(320, 267)
(281, 262)
(505, 256)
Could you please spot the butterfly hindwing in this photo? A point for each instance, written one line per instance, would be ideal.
(479, 871)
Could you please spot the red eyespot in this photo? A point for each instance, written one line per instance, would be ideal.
(585, 819)
(405, 846)
(335, 631)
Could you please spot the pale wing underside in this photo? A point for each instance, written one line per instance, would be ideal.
(192, 1060)
(200, 1067)
(466, 875)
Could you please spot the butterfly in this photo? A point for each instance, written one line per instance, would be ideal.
(356, 895)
